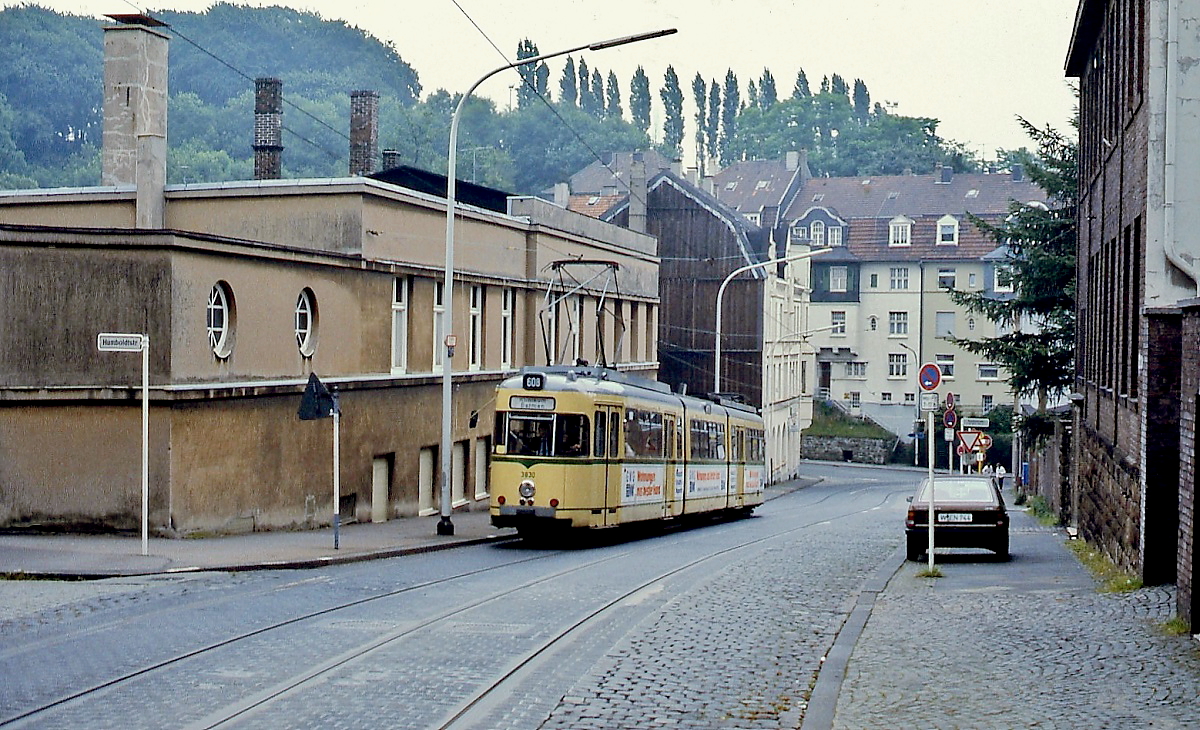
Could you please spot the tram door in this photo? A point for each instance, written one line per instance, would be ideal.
(608, 453)
(737, 477)
(672, 476)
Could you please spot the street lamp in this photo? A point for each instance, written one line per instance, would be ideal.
(445, 526)
(721, 295)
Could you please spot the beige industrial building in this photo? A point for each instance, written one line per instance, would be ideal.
(244, 289)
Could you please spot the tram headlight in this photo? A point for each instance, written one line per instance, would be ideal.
(526, 489)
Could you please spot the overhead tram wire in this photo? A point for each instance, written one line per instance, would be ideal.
(293, 105)
(546, 101)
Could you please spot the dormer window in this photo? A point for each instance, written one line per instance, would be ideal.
(947, 231)
(817, 229)
(835, 235)
(752, 217)
(798, 232)
(900, 231)
(1003, 282)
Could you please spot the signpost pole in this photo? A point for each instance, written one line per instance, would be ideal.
(145, 444)
(929, 430)
(337, 471)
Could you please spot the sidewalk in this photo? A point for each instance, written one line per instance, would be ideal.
(1023, 643)
(110, 556)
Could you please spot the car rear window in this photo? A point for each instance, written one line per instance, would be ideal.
(959, 490)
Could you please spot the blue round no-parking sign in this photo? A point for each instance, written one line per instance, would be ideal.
(929, 377)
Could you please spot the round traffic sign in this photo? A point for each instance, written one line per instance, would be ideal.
(961, 449)
(950, 418)
(985, 442)
(929, 377)
(949, 401)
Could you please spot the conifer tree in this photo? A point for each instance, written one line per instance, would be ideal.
(801, 90)
(612, 107)
(767, 95)
(1038, 350)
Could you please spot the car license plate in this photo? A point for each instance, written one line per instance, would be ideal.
(954, 517)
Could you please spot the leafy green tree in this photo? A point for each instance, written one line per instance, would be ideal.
(1038, 351)
(767, 94)
(730, 106)
(568, 85)
(612, 107)
(672, 99)
(639, 100)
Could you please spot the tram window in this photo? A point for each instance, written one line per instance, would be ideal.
(572, 435)
(529, 435)
(601, 431)
(643, 433)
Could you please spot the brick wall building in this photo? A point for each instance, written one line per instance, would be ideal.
(1136, 355)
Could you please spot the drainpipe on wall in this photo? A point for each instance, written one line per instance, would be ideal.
(1171, 244)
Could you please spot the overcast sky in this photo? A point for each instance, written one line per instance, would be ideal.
(973, 64)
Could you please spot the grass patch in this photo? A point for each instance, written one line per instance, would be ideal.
(1040, 509)
(927, 573)
(829, 421)
(1108, 575)
(1174, 627)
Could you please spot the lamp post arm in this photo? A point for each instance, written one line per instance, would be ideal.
(721, 295)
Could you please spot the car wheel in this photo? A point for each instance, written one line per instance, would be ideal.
(914, 550)
(1001, 548)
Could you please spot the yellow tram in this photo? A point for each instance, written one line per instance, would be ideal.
(592, 447)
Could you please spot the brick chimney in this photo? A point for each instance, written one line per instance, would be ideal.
(391, 159)
(364, 131)
(268, 129)
(134, 137)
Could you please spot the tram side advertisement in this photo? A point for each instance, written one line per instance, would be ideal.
(707, 481)
(644, 484)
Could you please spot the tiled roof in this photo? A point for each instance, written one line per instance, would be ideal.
(750, 186)
(869, 203)
(596, 177)
(913, 195)
(593, 205)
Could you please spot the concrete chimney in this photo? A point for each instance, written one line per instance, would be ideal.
(134, 137)
(637, 193)
(791, 160)
(364, 131)
(1018, 173)
(391, 159)
(562, 194)
(268, 129)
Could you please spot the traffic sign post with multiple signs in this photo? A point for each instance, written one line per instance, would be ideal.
(929, 377)
(136, 342)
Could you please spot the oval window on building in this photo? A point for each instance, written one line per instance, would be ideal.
(306, 322)
(219, 319)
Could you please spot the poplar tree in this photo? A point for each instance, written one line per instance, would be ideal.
(729, 110)
(672, 99)
(639, 100)
(612, 107)
(862, 101)
(767, 94)
(801, 90)
(700, 95)
(568, 91)
(526, 92)
(714, 120)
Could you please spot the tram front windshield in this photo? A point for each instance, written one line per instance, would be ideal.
(553, 434)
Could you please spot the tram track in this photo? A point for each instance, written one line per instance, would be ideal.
(464, 713)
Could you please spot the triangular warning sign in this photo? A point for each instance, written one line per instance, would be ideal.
(317, 402)
(969, 439)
